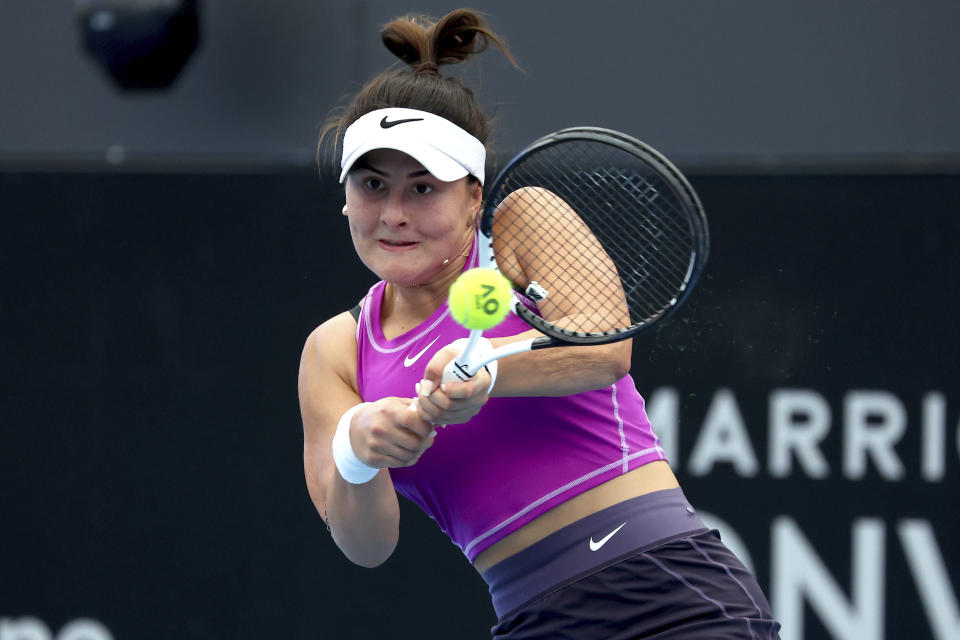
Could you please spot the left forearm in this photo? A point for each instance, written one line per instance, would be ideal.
(560, 371)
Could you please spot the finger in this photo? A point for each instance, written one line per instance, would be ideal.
(461, 390)
(429, 413)
(388, 460)
(423, 422)
(427, 443)
(434, 369)
(399, 446)
(469, 388)
(416, 407)
(454, 390)
(396, 455)
(410, 458)
(456, 411)
(458, 417)
(425, 413)
(389, 438)
(435, 404)
(425, 387)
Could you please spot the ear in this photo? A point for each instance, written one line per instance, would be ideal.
(344, 210)
(476, 198)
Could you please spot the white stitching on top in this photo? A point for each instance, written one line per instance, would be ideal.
(624, 449)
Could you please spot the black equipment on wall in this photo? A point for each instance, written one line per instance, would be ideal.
(142, 44)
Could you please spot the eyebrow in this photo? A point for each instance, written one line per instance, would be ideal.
(365, 164)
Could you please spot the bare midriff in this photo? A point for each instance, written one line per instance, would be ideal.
(651, 477)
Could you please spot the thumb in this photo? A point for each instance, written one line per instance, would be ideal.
(433, 374)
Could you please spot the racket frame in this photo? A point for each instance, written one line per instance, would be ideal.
(465, 366)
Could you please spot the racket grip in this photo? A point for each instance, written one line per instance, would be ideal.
(475, 352)
(455, 371)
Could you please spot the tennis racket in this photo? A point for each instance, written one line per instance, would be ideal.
(599, 230)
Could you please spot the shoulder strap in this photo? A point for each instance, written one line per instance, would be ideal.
(355, 312)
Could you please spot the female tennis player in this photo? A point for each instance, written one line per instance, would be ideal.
(547, 475)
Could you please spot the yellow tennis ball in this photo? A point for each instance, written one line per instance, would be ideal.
(480, 298)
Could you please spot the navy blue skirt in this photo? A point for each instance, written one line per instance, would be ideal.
(644, 568)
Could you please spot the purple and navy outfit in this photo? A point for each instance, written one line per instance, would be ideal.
(520, 457)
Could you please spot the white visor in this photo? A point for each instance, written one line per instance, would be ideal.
(444, 149)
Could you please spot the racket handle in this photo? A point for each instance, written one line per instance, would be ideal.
(470, 360)
(466, 365)
(456, 372)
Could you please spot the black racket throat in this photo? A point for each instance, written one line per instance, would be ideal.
(556, 336)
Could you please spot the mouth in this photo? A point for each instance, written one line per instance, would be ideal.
(397, 245)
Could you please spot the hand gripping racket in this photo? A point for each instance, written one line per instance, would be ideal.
(599, 230)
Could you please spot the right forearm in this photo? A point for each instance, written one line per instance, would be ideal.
(364, 519)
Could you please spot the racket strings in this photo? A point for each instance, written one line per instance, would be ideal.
(642, 272)
(660, 226)
(634, 238)
(646, 237)
(559, 250)
(609, 235)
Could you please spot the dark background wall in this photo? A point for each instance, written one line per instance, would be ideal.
(153, 310)
(703, 80)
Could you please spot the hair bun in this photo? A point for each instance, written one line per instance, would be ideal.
(400, 38)
(425, 44)
(458, 35)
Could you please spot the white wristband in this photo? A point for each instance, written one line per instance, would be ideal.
(351, 468)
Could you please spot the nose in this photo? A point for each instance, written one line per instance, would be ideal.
(393, 214)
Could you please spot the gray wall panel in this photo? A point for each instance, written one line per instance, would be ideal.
(704, 80)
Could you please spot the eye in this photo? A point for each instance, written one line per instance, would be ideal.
(373, 183)
(423, 188)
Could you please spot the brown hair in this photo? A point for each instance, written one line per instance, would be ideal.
(424, 45)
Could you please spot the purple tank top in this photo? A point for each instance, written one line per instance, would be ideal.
(517, 458)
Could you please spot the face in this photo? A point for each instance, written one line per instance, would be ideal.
(404, 222)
